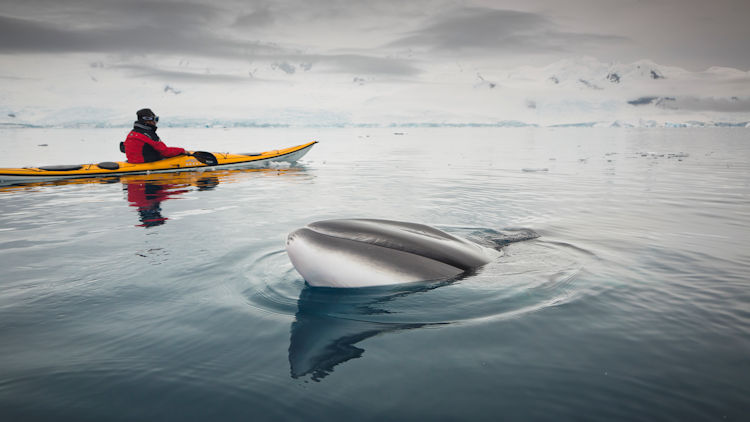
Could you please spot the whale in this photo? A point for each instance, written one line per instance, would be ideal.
(350, 253)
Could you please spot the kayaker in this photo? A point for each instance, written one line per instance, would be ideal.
(142, 144)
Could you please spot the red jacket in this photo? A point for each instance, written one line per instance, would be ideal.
(143, 145)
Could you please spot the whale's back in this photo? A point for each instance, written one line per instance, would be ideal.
(369, 252)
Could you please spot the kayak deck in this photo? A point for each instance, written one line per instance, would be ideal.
(173, 164)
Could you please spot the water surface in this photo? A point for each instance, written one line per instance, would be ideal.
(171, 297)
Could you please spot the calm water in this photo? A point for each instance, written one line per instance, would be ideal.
(171, 297)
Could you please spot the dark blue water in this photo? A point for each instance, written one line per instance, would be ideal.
(171, 297)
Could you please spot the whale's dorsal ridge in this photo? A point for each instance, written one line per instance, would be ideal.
(368, 252)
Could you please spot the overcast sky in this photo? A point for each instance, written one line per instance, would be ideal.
(57, 54)
(381, 35)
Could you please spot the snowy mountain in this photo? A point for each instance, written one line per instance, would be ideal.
(637, 92)
(580, 92)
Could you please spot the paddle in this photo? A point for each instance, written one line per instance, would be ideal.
(205, 157)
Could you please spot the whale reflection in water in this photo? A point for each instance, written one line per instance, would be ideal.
(376, 261)
(330, 322)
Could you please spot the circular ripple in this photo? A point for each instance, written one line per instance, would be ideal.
(531, 275)
(277, 284)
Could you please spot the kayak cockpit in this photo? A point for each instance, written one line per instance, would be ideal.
(108, 165)
(72, 167)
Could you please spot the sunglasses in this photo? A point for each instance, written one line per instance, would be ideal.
(149, 118)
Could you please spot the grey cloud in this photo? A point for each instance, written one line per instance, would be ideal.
(194, 30)
(350, 64)
(140, 37)
(692, 103)
(669, 31)
(19, 35)
(642, 101)
(17, 78)
(183, 76)
(498, 30)
(475, 27)
(344, 63)
(104, 13)
(354, 63)
(258, 18)
(731, 105)
(172, 14)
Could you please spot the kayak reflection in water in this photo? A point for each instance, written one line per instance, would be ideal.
(148, 198)
(146, 193)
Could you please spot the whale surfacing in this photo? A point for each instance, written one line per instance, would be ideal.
(369, 252)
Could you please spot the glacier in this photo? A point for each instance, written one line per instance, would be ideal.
(580, 92)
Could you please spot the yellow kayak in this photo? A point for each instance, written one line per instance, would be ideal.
(194, 161)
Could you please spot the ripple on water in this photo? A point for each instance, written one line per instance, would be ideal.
(275, 285)
(329, 324)
(531, 275)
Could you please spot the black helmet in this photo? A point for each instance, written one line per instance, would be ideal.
(145, 115)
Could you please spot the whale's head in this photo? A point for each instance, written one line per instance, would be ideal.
(365, 252)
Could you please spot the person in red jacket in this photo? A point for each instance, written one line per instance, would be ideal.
(143, 145)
